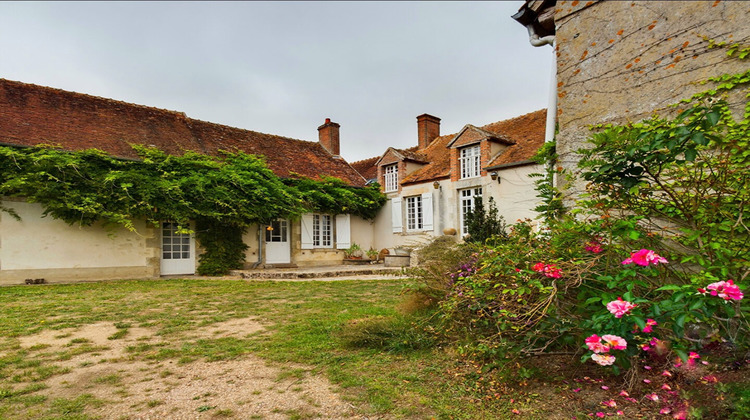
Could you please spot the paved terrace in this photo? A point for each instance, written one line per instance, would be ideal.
(326, 273)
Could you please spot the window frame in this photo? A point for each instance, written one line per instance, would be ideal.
(466, 204)
(322, 231)
(414, 213)
(390, 178)
(470, 162)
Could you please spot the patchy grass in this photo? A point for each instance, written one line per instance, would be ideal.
(349, 331)
(385, 363)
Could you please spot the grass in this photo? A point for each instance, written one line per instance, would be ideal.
(349, 331)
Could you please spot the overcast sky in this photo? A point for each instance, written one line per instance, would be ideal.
(283, 67)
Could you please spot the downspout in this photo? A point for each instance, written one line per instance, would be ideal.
(549, 133)
(549, 130)
(260, 248)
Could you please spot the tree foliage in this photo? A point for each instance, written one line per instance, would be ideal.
(684, 177)
(484, 224)
(673, 188)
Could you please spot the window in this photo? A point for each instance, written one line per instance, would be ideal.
(467, 205)
(318, 231)
(322, 231)
(470, 162)
(414, 215)
(417, 214)
(174, 245)
(276, 232)
(390, 173)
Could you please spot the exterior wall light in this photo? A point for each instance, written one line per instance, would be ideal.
(495, 176)
(436, 185)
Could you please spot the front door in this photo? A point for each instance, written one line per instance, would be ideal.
(177, 251)
(278, 250)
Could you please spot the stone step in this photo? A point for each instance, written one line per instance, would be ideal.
(312, 274)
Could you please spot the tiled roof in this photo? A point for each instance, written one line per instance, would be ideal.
(367, 167)
(414, 154)
(32, 115)
(526, 131)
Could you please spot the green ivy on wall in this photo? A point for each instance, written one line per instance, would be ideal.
(231, 191)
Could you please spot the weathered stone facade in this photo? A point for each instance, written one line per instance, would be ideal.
(621, 61)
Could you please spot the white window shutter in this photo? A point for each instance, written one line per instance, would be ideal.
(343, 231)
(306, 228)
(427, 211)
(396, 215)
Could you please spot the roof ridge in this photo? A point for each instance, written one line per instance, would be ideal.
(364, 160)
(251, 131)
(512, 118)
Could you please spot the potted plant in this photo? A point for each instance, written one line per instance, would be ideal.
(372, 254)
(354, 252)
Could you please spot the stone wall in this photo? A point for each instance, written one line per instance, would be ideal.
(621, 61)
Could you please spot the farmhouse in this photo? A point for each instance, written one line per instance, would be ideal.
(432, 187)
(43, 247)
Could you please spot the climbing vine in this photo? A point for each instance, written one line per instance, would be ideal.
(224, 247)
(550, 206)
(224, 193)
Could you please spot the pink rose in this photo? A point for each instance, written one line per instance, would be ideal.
(594, 343)
(615, 342)
(726, 290)
(620, 307)
(549, 270)
(650, 324)
(644, 257)
(603, 359)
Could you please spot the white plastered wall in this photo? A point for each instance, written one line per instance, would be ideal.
(360, 232)
(514, 197)
(43, 247)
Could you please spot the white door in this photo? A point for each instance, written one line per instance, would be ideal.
(177, 251)
(278, 249)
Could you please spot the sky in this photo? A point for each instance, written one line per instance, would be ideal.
(284, 67)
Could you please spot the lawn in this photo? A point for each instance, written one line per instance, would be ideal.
(86, 350)
(238, 349)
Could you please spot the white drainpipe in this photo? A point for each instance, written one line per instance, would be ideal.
(549, 133)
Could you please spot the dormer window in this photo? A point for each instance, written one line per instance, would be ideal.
(390, 173)
(469, 162)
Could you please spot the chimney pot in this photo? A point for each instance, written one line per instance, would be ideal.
(428, 129)
(328, 120)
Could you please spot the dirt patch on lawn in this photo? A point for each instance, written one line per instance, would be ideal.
(136, 388)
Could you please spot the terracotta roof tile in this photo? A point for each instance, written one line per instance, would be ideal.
(32, 115)
(526, 131)
(367, 167)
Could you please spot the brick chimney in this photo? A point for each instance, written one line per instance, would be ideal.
(428, 129)
(328, 137)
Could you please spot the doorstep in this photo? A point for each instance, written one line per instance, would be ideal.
(320, 272)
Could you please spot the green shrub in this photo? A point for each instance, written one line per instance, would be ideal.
(485, 224)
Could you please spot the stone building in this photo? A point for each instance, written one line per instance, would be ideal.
(621, 61)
